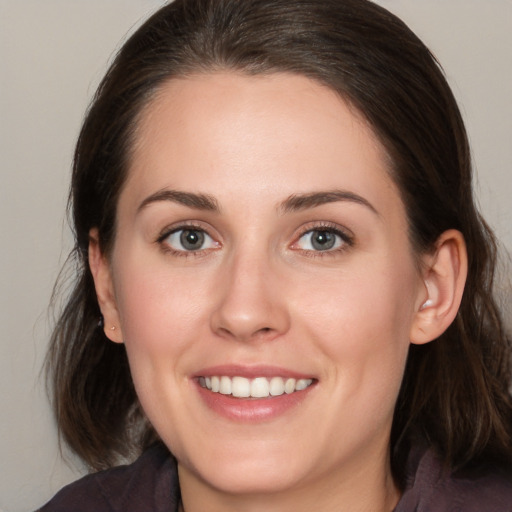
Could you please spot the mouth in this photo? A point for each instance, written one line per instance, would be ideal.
(258, 387)
(253, 394)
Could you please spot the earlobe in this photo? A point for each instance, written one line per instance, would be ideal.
(101, 273)
(444, 277)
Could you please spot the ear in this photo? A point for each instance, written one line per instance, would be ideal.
(102, 275)
(444, 277)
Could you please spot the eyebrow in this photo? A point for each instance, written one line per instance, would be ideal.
(298, 202)
(295, 202)
(197, 201)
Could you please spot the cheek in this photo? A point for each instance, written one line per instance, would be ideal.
(161, 317)
(361, 322)
(154, 304)
(365, 307)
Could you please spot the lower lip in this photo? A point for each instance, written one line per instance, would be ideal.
(252, 410)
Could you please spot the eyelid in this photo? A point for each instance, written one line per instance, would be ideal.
(166, 232)
(186, 224)
(346, 235)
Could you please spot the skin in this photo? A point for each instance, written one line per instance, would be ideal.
(258, 293)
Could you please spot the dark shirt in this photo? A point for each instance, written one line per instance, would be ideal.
(430, 488)
(150, 484)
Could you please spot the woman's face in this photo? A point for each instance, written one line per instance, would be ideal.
(262, 251)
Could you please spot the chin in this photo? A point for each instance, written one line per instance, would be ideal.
(258, 479)
(254, 472)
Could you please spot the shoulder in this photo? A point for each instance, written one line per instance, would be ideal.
(150, 483)
(430, 487)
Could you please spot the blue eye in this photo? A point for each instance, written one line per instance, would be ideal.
(189, 239)
(322, 240)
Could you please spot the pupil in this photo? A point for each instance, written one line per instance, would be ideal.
(191, 240)
(323, 240)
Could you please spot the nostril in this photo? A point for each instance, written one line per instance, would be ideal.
(253, 316)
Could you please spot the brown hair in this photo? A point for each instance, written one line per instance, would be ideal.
(455, 390)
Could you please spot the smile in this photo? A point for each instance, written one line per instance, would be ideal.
(260, 387)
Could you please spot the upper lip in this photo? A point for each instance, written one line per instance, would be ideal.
(251, 372)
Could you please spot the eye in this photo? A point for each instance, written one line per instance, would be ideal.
(188, 240)
(322, 239)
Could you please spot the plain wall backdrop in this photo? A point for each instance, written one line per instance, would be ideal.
(52, 55)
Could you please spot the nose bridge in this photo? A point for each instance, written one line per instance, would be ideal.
(250, 304)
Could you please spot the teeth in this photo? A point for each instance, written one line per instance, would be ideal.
(276, 386)
(259, 387)
(302, 384)
(225, 386)
(289, 386)
(240, 387)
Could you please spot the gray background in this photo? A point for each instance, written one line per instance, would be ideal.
(52, 55)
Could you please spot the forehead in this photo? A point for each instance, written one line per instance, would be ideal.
(257, 136)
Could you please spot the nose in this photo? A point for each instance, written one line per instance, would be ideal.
(251, 302)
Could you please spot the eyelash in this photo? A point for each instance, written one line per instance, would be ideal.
(347, 240)
(166, 247)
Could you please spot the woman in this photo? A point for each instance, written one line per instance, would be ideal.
(283, 279)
